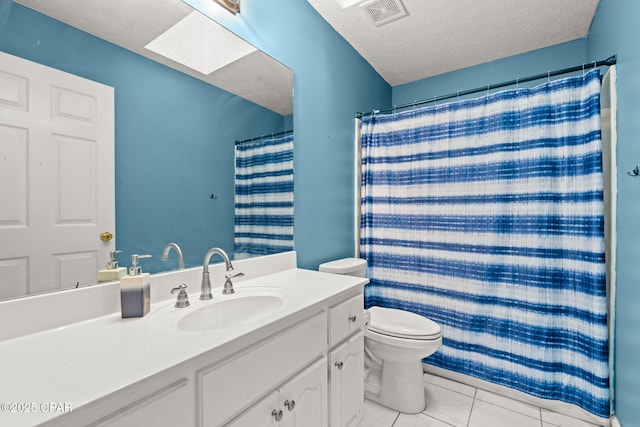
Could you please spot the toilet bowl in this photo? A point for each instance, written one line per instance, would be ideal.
(395, 343)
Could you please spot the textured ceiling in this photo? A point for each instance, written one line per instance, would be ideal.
(132, 24)
(439, 36)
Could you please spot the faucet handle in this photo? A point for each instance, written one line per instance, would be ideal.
(178, 288)
(228, 286)
(183, 298)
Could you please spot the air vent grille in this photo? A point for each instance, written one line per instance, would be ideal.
(384, 11)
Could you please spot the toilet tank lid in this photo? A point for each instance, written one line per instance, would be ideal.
(401, 323)
(343, 266)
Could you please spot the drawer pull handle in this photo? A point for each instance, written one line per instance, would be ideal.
(290, 404)
(339, 365)
(277, 414)
(353, 318)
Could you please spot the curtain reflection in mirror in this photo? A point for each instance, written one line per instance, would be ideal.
(264, 196)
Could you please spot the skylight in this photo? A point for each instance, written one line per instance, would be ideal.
(347, 3)
(200, 44)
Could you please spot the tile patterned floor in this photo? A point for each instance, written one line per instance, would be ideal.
(451, 404)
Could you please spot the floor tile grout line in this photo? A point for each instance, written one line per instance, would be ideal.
(475, 398)
(438, 419)
(515, 411)
(473, 403)
(395, 419)
(475, 391)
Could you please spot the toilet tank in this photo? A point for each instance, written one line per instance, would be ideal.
(348, 266)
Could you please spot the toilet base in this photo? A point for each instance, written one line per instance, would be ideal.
(398, 386)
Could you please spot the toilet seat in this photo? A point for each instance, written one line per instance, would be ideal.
(402, 324)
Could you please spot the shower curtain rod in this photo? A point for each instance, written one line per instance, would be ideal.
(260, 138)
(606, 62)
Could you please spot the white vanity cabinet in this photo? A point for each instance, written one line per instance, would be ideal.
(227, 388)
(346, 362)
(309, 399)
(167, 407)
(161, 400)
(262, 414)
(304, 400)
(303, 367)
(301, 402)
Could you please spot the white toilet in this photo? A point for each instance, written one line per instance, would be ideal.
(395, 343)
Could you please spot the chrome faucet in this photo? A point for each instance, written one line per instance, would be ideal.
(175, 246)
(205, 289)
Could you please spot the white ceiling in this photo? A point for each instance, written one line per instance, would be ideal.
(134, 24)
(439, 36)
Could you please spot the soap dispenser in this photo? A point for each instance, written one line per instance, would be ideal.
(113, 271)
(135, 292)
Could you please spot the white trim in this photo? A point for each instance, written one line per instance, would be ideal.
(356, 191)
(609, 143)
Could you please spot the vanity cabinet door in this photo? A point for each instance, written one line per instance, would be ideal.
(304, 399)
(259, 415)
(258, 370)
(301, 402)
(346, 382)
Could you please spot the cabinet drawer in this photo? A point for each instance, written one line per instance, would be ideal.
(227, 388)
(169, 406)
(345, 319)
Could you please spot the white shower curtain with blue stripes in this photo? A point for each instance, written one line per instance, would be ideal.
(486, 216)
(264, 197)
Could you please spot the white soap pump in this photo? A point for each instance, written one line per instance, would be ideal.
(135, 290)
(113, 270)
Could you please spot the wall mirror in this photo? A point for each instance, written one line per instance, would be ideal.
(180, 106)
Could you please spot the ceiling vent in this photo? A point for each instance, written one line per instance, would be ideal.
(382, 12)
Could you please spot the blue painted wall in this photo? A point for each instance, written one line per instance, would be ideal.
(332, 82)
(615, 29)
(535, 62)
(174, 138)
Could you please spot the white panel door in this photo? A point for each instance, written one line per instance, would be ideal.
(56, 178)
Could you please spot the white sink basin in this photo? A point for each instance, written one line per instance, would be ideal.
(231, 311)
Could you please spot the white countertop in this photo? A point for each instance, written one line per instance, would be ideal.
(81, 362)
